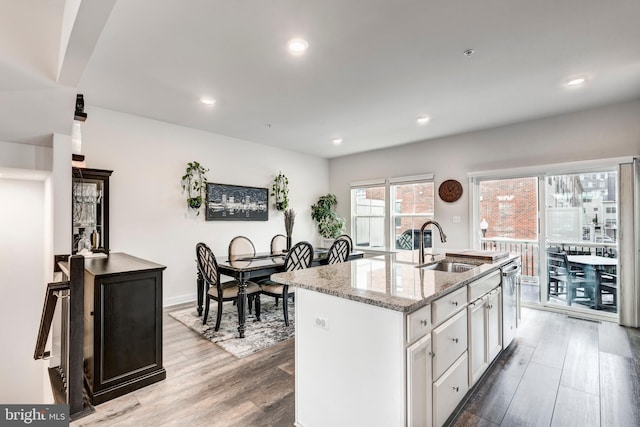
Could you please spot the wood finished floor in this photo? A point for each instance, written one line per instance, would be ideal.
(206, 386)
(559, 372)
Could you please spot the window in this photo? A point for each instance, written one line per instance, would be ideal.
(393, 225)
(368, 216)
(414, 203)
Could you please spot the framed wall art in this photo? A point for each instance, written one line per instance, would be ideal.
(236, 203)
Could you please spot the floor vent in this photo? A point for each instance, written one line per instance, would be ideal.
(586, 320)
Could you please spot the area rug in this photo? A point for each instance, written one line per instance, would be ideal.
(269, 331)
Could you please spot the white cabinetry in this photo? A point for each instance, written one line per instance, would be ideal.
(378, 366)
(450, 366)
(494, 323)
(478, 360)
(419, 381)
(449, 390)
(485, 327)
(449, 342)
(419, 378)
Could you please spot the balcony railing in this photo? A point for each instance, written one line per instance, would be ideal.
(530, 253)
(529, 250)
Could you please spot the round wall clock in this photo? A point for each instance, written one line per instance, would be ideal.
(450, 190)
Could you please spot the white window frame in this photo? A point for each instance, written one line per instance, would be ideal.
(389, 214)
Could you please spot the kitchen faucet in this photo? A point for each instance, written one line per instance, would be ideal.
(443, 238)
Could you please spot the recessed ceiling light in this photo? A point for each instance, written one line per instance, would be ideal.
(207, 100)
(468, 52)
(576, 81)
(423, 120)
(336, 141)
(297, 46)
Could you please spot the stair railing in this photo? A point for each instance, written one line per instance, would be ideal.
(67, 378)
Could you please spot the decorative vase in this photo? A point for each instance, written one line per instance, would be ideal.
(95, 239)
(327, 242)
(288, 243)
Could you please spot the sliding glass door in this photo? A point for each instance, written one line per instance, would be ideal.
(565, 227)
(581, 239)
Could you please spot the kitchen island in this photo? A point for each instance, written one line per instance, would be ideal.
(380, 342)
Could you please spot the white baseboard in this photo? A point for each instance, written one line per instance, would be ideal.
(168, 302)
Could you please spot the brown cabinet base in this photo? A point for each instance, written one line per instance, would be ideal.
(123, 325)
(127, 387)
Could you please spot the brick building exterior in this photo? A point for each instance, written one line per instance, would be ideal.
(509, 206)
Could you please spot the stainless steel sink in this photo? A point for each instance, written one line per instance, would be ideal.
(450, 267)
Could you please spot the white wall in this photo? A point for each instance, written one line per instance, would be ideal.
(612, 131)
(25, 156)
(24, 235)
(149, 217)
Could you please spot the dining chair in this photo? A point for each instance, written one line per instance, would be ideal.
(339, 251)
(348, 239)
(215, 289)
(555, 277)
(571, 278)
(241, 245)
(278, 244)
(608, 284)
(298, 258)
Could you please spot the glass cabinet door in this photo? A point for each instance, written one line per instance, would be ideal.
(90, 210)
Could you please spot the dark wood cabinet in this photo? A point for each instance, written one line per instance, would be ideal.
(90, 209)
(123, 325)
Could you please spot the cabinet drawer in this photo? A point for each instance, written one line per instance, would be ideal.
(449, 341)
(444, 307)
(449, 390)
(481, 286)
(418, 323)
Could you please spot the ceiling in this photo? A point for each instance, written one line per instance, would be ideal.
(371, 67)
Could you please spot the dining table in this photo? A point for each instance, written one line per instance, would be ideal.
(246, 267)
(594, 266)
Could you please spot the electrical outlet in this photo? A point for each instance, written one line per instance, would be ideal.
(321, 322)
(457, 219)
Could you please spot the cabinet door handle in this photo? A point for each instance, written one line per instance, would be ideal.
(455, 340)
(424, 322)
(490, 306)
(456, 389)
(432, 354)
(454, 303)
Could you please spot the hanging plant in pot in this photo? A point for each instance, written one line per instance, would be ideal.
(330, 225)
(280, 192)
(194, 183)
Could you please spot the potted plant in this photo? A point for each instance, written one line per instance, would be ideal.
(330, 225)
(194, 183)
(280, 192)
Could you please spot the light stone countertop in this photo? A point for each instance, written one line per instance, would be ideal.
(389, 281)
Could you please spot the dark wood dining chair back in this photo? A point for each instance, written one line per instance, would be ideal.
(278, 244)
(220, 292)
(339, 251)
(207, 264)
(348, 239)
(299, 256)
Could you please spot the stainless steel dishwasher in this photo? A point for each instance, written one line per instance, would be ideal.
(510, 300)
